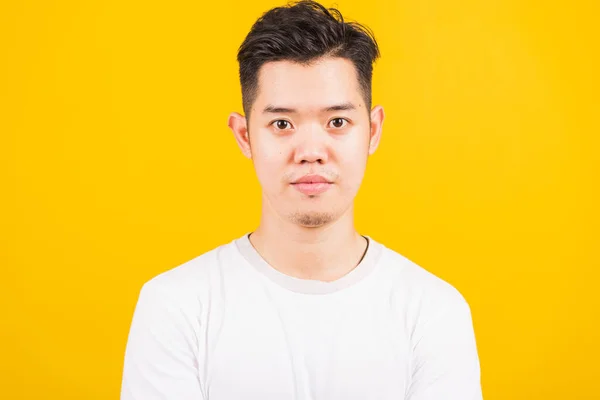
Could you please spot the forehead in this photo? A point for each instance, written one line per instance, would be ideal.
(308, 86)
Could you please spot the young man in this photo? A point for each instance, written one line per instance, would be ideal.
(304, 307)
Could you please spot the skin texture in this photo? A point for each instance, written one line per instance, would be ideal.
(309, 236)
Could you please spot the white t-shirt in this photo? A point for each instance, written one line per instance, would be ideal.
(228, 326)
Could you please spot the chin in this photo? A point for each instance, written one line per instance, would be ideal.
(312, 218)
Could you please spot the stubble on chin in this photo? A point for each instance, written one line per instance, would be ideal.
(311, 219)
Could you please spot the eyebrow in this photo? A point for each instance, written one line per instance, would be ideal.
(270, 109)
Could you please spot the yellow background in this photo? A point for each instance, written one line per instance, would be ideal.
(116, 164)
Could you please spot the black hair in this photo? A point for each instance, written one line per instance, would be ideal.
(302, 32)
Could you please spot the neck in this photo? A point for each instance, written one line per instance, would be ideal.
(323, 253)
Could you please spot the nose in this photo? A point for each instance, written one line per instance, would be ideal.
(311, 147)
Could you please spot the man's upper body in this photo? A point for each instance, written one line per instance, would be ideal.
(304, 307)
(228, 326)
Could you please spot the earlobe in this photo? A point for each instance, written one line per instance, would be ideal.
(377, 117)
(237, 123)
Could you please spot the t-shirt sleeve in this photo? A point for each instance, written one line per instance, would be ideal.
(161, 352)
(445, 360)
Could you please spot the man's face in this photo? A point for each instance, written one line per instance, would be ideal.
(310, 123)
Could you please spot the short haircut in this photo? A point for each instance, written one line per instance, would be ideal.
(303, 32)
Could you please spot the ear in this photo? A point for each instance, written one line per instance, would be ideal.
(377, 117)
(237, 124)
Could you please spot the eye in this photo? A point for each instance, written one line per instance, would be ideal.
(282, 124)
(338, 122)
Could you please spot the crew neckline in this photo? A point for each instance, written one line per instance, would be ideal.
(310, 286)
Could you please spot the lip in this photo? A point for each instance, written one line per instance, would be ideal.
(311, 189)
(312, 178)
(312, 184)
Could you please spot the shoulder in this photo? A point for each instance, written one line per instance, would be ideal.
(419, 292)
(191, 280)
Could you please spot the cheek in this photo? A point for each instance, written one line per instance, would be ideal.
(353, 160)
(268, 159)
